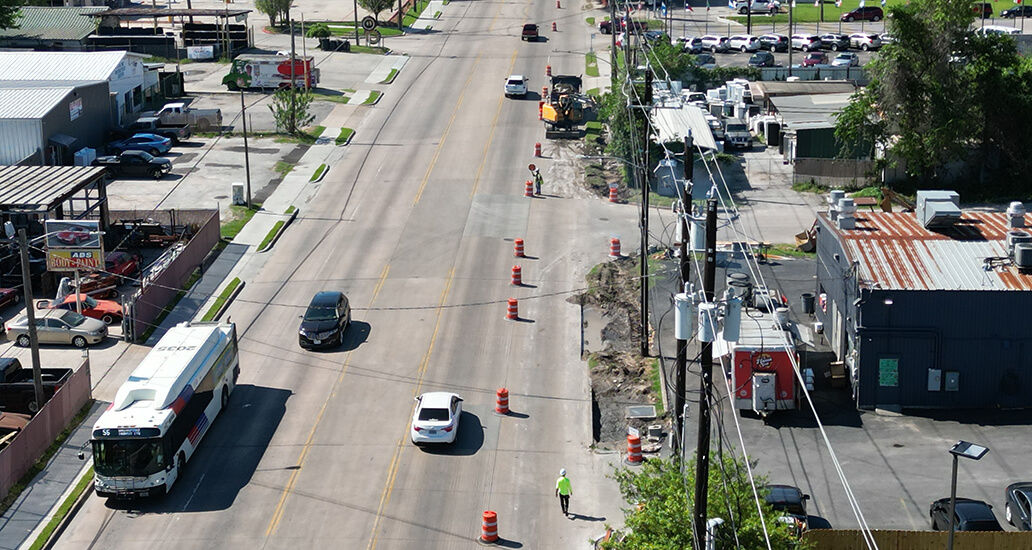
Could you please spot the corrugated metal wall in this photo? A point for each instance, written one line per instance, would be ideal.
(93, 122)
(19, 139)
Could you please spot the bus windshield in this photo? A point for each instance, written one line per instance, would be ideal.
(128, 457)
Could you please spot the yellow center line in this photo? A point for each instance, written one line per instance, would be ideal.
(490, 137)
(444, 137)
(277, 515)
(392, 471)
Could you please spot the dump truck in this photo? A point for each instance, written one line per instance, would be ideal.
(563, 110)
(271, 71)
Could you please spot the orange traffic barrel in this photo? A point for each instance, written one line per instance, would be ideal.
(614, 247)
(489, 531)
(517, 275)
(553, 22)
(548, 70)
(613, 194)
(633, 449)
(513, 311)
(518, 249)
(502, 401)
(541, 110)
(537, 149)
(528, 189)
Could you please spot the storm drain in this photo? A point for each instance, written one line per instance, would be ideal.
(643, 412)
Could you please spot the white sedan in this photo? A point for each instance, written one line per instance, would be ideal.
(847, 59)
(436, 419)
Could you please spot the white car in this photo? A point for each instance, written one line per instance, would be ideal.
(516, 86)
(864, 41)
(806, 42)
(756, 6)
(744, 42)
(847, 59)
(714, 43)
(436, 419)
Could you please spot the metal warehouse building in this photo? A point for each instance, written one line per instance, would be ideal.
(45, 123)
(928, 309)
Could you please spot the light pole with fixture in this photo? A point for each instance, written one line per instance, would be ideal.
(966, 450)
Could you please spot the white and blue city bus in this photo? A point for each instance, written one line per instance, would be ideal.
(159, 415)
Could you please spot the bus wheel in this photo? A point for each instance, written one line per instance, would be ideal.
(179, 465)
(225, 397)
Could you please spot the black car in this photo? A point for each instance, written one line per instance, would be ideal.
(1019, 505)
(789, 500)
(1017, 11)
(774, 43)
(835, 42)
(325, 321)
(761, 59)
(135, 163)
(971, 515)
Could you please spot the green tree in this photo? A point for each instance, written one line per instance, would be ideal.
(9, 13)
(275, 9)
(291, 110)
(376, 6)
(660, 515)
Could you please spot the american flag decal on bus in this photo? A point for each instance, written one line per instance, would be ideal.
(198, 429)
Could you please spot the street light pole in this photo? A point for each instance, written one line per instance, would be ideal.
(966, 450)
(953, 504)
(30, 314)
(247, 159)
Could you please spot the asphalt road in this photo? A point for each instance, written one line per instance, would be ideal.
(415, 224)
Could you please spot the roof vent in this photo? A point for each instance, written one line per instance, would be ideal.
(938, 208)
(1014, 237)
(846, 210)
(1023, 255)
(1016, 214)
(833, 201)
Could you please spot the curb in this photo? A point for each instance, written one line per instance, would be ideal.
(289, 221)
(377, 100)
(345, 144)
(56, 534)
(320, 178)
(229, 300)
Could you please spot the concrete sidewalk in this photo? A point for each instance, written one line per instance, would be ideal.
(21, 524)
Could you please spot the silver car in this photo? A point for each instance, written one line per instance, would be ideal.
(59, 326)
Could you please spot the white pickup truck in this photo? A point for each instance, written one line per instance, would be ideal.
(199, 120)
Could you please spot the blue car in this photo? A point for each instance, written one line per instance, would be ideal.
(151, 143)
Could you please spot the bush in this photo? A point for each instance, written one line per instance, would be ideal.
(318, 30)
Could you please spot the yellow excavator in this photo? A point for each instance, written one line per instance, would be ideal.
(563, 110)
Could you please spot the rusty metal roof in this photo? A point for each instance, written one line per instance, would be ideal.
(42, 188)
(893, 251)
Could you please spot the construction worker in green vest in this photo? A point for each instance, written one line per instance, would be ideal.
(564, 491)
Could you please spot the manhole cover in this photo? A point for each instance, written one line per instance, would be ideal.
(641, 411)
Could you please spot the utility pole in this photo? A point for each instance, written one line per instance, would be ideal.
(682, 344)
(293, 66)
(647, 108)
(706, 381)
(30, 314)
(247, 158)
(789, 38)
(355, 3)
(613, 25)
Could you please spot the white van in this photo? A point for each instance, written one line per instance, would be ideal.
(997, 29)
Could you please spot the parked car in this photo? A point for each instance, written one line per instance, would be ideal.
(982, 9)
(788, 500)
(108, 311)
(199, 120)
(715, 43)
(1018, 510)
(806, 42)
(846, 59)
(655, 36)
(530, 32)
(17, 386)
(834, 41)
(11, 424)
(694, 97)
(325, 321)
(606, 27)
(705, 61)
(9, 296)
(135, 163)
(516, 86)
(153, 125)
(123, 264)
(689, 44)
(866, 13)
(1023, 10)
(970, 515)
(887, 38)
(715, 126)
(59, 326)
(761, 59)
(744, 42)
(436, 419)
(774, 42)
(99, 285)
(813, 59)
(757, 6)
(864, 41)
(151, 143)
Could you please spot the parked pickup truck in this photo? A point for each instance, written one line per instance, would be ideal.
(153, 125)
(17, 393)
(138, 163)
(199, 120)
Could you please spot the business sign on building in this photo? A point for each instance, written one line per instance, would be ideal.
(75, 108)
(74, 245)
(200, 52)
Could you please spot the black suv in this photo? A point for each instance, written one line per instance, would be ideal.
(761, 59)
(834, 42)
(325, 321)
(774, 43)
(971, 515)
(790, 501)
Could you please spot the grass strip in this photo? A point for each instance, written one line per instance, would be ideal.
(374, 95)
(62, 511)
(590, 21)
(290, 210)
(241, 215)
(345, 135)
(226, 293)
(591, 64)
(283, 168)
(17, 489)
(318, 172)
(390, 77)
(271, 235)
